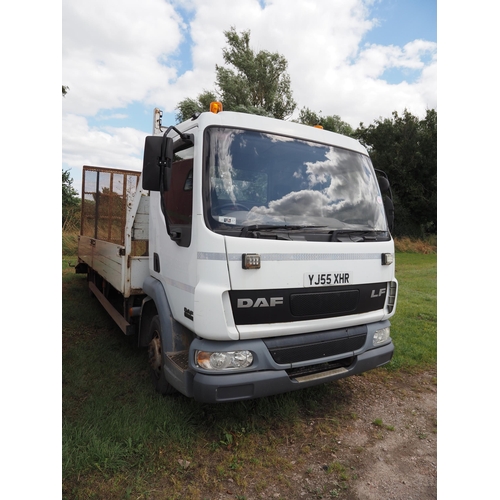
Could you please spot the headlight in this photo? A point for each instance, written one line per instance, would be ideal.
(223, 360)
(381, 336)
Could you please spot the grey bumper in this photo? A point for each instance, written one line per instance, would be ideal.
(210, 388)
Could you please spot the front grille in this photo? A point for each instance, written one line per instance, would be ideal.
(313, 304)
(317, 351)
(313, 346)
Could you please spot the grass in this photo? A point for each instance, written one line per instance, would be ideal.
(413, 327)
(122, 440)
(70, 232)
(379, 423)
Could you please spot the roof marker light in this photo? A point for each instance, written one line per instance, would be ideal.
(216, 107)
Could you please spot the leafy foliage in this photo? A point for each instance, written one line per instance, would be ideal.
(259, 80)
(188, 107)
(332, 123)
(70, 199)
(405, 147)
(255, 83)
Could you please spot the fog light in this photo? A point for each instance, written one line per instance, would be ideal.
(224, 360)
(381, 336)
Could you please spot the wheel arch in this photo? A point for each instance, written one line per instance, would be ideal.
(175, 336)
(155, 303)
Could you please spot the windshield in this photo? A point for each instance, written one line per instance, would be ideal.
(257, 179)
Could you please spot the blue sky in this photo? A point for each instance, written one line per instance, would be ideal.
(359, 59)
(402, 21)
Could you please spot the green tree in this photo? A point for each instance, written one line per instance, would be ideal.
(70, 199)
(259, 80)
(332, 123)
(188, 107)
(254, 82)
(405, 147)
(64, 90)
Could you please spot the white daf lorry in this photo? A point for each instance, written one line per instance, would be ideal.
(251, 256)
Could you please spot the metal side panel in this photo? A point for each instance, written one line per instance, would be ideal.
(108, 262)
(139, 270)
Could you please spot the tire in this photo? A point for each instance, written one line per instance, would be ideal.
(157, 359)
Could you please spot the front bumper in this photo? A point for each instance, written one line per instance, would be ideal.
(211, 388)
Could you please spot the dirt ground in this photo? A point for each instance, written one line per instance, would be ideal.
(399, 458)
(386, 451)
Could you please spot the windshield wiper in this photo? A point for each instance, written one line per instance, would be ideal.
(246, 230)
(357, 235)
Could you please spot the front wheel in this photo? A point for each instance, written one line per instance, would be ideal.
(156, 359)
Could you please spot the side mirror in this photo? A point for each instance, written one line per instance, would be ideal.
(384, 185)
(389, 213)
(157, 163)
(385, 189)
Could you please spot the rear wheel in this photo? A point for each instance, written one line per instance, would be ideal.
(156, 359)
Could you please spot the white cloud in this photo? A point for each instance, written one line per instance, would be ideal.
(330, 68)
(119, 52)
(105, 147)
(112, 51)
(375, 59)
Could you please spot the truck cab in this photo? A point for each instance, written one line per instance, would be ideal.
(270, 257)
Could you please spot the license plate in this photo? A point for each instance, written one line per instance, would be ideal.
(327, 279)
